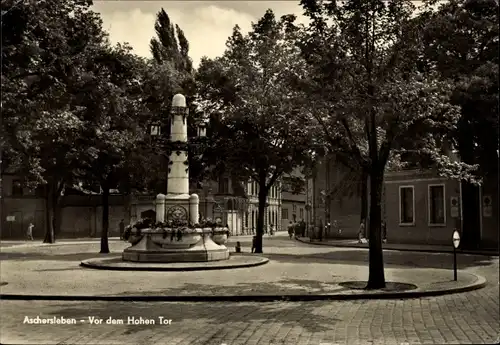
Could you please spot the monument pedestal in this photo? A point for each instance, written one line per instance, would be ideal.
(176, 235)
(196, 245)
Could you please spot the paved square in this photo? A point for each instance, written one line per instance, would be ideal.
(464, 318)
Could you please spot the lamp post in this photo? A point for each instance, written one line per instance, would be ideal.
(456, 243)
(155, 134)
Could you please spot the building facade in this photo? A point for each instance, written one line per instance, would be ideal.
(418, 207)
(81, 213)
(79, 216)
(293, 205)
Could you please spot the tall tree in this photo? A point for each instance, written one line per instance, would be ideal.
(170, 45)
(368, 95)
(45, 45)
(115, 120)
(257, 118)
(461, 43)
(170, 50)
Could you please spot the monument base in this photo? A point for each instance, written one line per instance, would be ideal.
(192, 248)
(168, 257)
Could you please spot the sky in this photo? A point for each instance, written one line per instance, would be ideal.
(206, 24)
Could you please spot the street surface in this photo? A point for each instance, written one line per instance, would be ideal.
(465, 318)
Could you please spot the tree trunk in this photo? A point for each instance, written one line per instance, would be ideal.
(49, 216)
(364, 202)
(260, 218)
(52, 211)
(376, 277)
(105, 218)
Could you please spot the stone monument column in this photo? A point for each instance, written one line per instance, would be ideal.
(178, 172)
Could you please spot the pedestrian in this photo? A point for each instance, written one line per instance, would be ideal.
(303, 228)
(361, 231)
(254, 243)
(384, 232)
(122, 228)
(271, 229)
(30, 231)
(290, 229)
(237, 249)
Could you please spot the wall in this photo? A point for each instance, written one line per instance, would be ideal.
(24, 209)
(81, 216)
(420, 231)
(346, 210)
(344, 207)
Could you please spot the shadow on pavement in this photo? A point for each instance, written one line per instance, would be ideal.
(297, 313)
(54, 257)
(393, 258)
(346, 257)
(280, 287)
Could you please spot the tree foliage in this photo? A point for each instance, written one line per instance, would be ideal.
(173, 73)
(256, 116)
(369, 95)
(45, 48)
(115, 122)
(461, 43)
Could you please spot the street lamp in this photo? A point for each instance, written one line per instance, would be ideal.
(155, 130)
(202, 129)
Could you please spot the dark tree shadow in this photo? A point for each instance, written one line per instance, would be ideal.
(392, 259)
(219, 314)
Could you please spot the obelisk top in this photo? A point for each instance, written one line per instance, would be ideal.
(179, 101)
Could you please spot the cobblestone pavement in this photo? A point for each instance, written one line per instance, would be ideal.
(294, 268)
(464, 318)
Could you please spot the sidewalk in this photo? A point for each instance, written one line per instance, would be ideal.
(293, 273)
(10, 243)
(397, 246)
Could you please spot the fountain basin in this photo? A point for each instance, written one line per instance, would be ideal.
(177, 245)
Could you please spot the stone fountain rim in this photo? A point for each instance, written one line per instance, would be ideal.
(185, 230)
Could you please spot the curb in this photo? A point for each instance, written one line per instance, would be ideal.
(479, 284)
(88, 264)
(446, 251)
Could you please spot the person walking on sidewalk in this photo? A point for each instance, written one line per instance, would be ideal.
(302, 228)
(384, 232)
(29, 233)
(290, 229)
(361, 232)
(122, 228)
(271, 229)
(254, 243)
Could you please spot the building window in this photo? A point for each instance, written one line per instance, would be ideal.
(437, 207)
(284, 213)
(17, 188)
(301, 213)
(246, 219)
(294, 208)
(406, 205)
